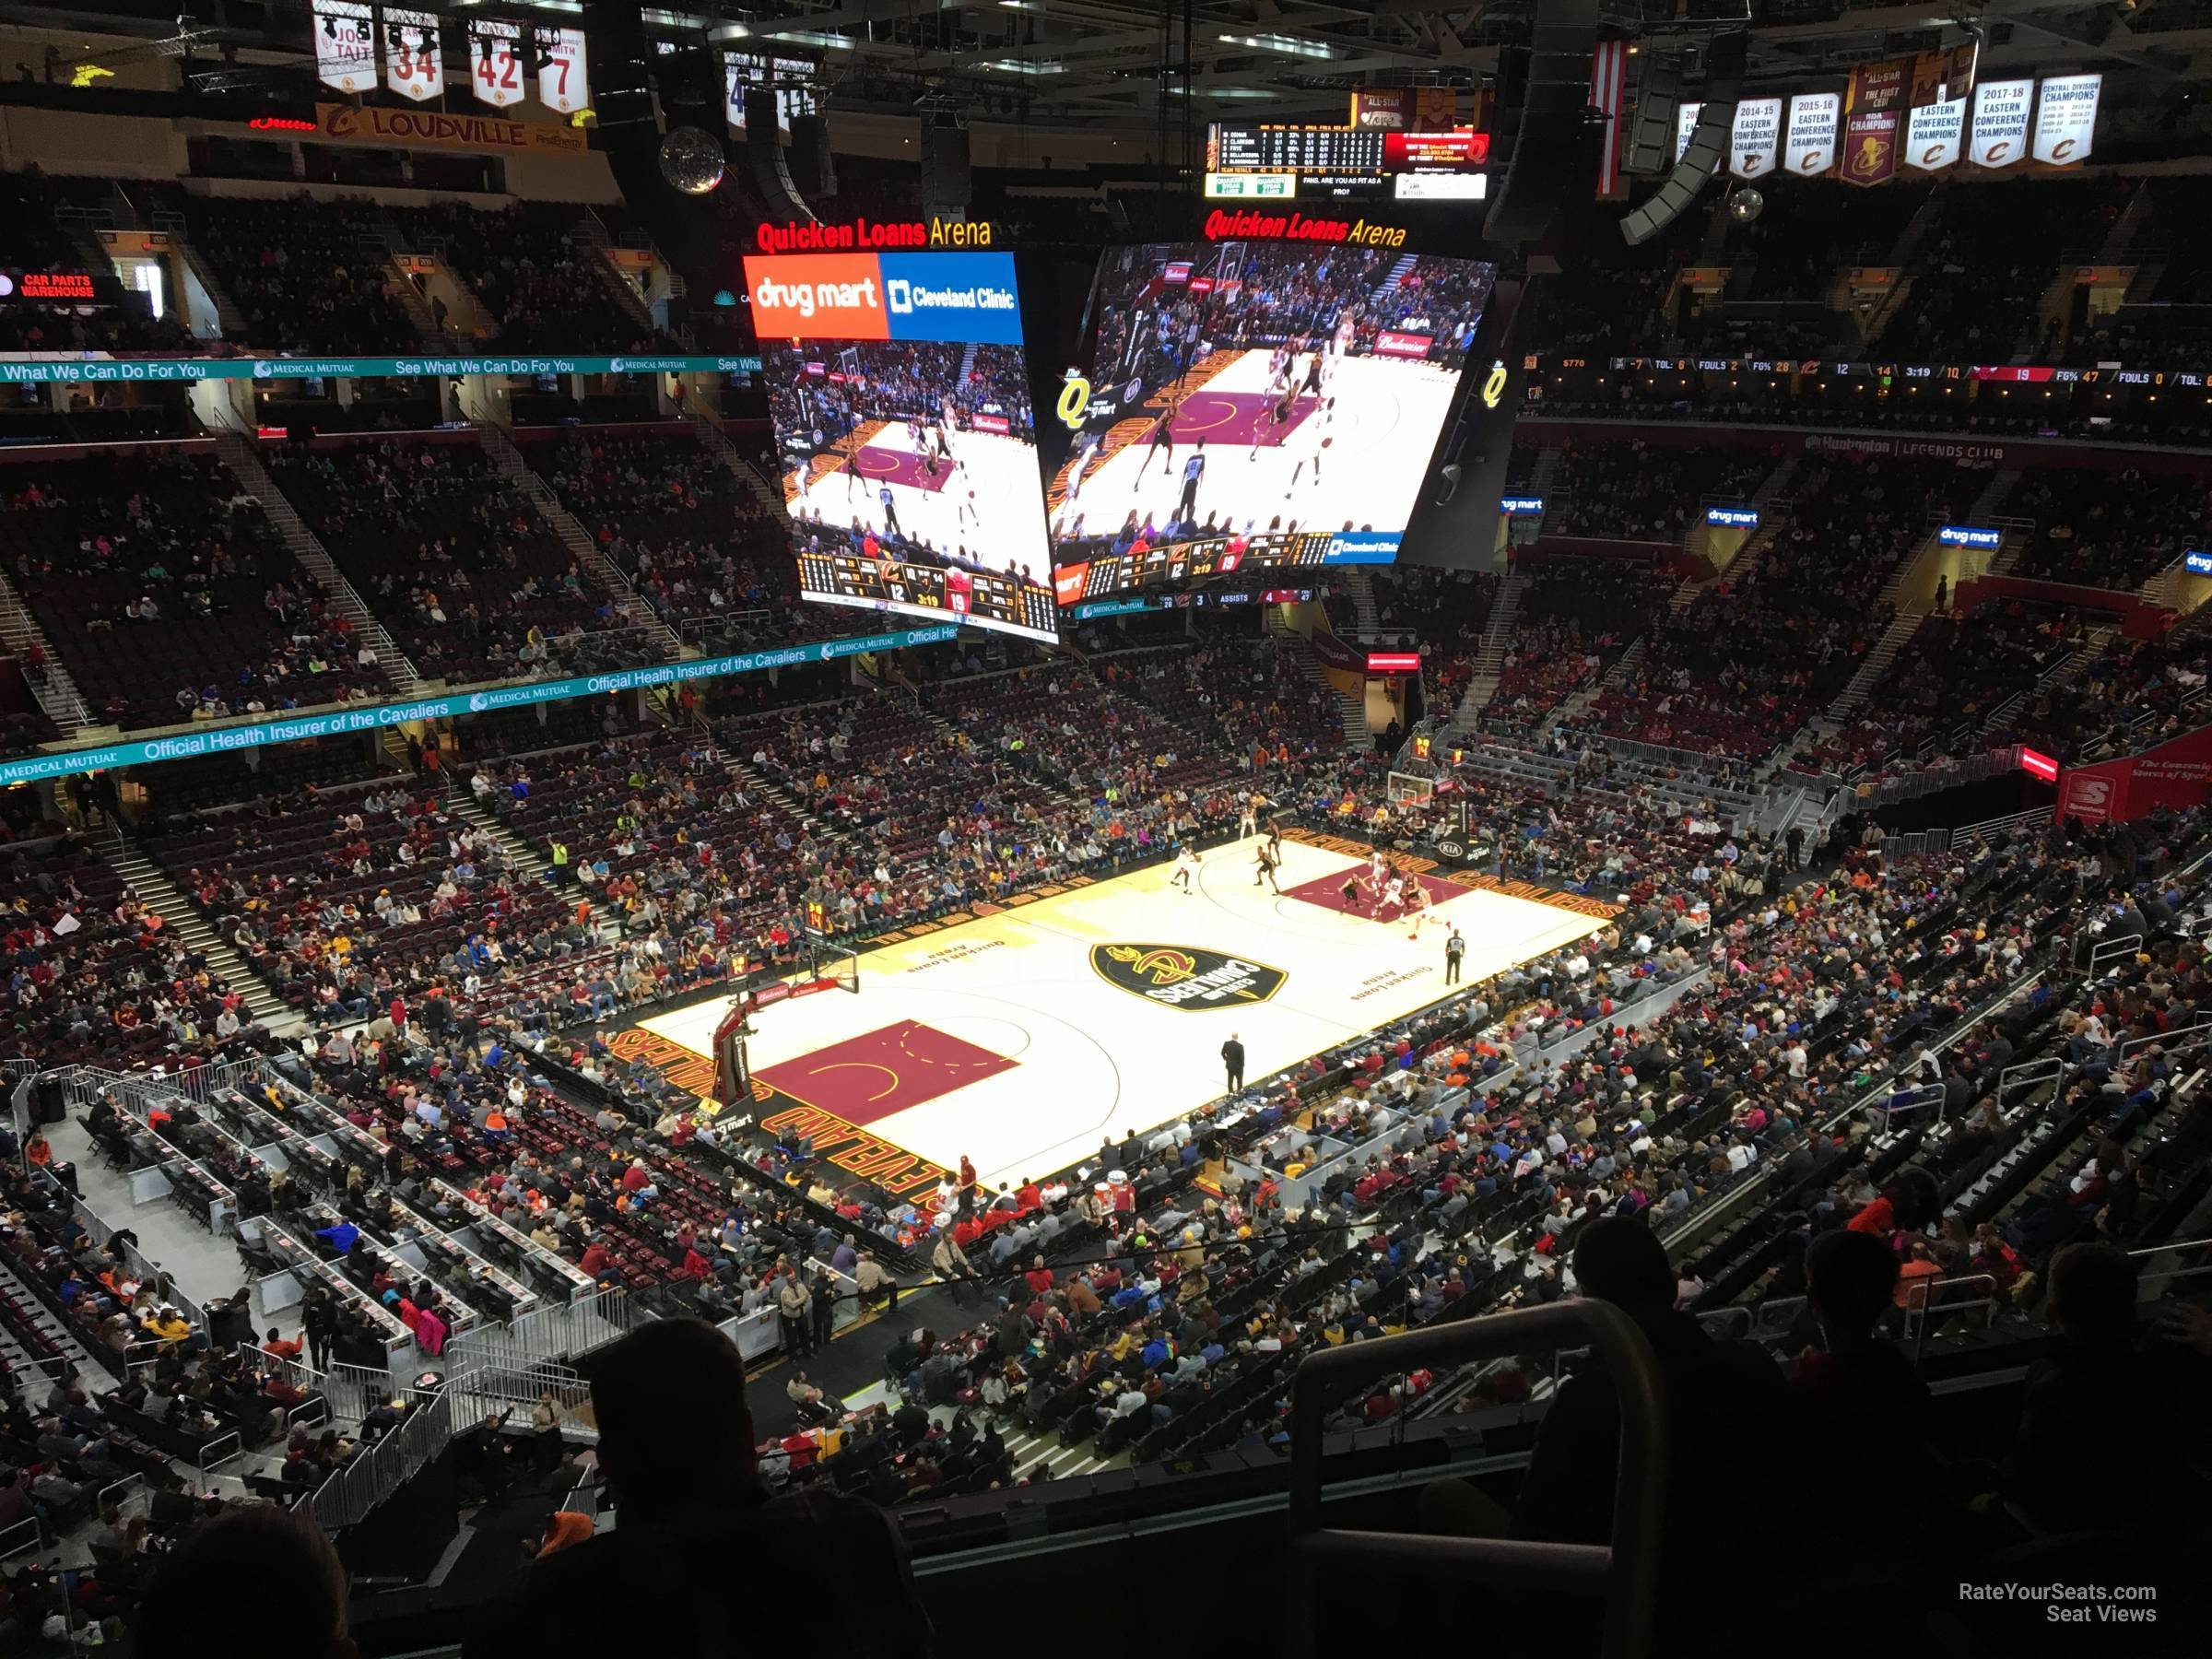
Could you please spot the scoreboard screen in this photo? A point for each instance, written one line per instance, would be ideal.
(1337, 160)
(900, 400)
(1255, 403)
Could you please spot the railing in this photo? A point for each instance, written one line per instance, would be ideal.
(1940, 1298)
(557, 1331)
(1625, 1569)
(376, 1472)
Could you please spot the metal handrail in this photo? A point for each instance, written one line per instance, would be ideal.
(1626, 1568)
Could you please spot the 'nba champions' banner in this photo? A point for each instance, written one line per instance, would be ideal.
(1878, 93)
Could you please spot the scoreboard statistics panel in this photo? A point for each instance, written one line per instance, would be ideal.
(1255, 403)
(1275, 161)
(901, 401)
(978, 597)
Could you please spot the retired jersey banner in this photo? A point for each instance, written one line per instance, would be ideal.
(1755, 139)
(1870, 147)
(1811, 149)
(2000, 125)
(344, 45)
(2065, 119)
(1934, 134)
(413, 66)
(564, 76)
(495, 62)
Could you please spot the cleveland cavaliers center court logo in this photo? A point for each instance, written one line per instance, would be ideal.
(1181, 976)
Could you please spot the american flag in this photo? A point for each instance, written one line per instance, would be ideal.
(1608, 81)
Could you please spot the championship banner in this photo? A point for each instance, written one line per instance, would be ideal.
(495, 62)
(2000, 125)
(1882, 86)
(564, 80)
(1755, 139)
(1934, 134)
(1870, 147)
(413, 65)
(1406, 108)
(2065, 119)
(1686, 123)
(1811, 147)
(344, 45)
(1944, 76)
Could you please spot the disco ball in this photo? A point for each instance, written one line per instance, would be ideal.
(692, 162)
(1744, 207)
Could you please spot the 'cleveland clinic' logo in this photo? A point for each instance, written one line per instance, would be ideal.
(900, 295)
(1182, 976)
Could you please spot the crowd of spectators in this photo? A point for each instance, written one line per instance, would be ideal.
(1575, 618)
(32, 242)
(451, 558)
(2109, 530)
(1638, 492)
(308, 276)
(1747, 662)
(697, 544)
(532, 274)
(168, 596)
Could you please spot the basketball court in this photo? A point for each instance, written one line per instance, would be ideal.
(1020, 1036)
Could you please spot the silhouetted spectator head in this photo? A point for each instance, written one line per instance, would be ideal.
(654, 1461)
(1621, 1261)
(2093, 1293)
(1849, 1277)
(298, 1585)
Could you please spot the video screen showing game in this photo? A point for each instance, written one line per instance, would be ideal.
(1256, 404)
(900, 400)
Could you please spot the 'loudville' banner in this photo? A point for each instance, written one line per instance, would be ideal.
(26, 370)
(339, 723)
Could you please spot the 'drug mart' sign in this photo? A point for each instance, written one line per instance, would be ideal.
(84, 370)
(339, 723)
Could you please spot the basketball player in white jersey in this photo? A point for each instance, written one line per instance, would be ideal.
(1187, 870)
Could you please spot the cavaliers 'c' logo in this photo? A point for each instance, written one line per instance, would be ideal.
(1181, 976)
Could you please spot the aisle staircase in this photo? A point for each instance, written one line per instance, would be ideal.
(56, 693)
(508, 462)
(1352, 708)
(464, 802)
(1902, 627)
(718, 444)
(241, 454)
(1359, 588)
(152, 888)
(1489, 661)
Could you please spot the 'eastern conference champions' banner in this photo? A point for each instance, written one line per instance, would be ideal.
(1814, 117)
(1756, 137)
(1933, 134)
(2000, 133)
